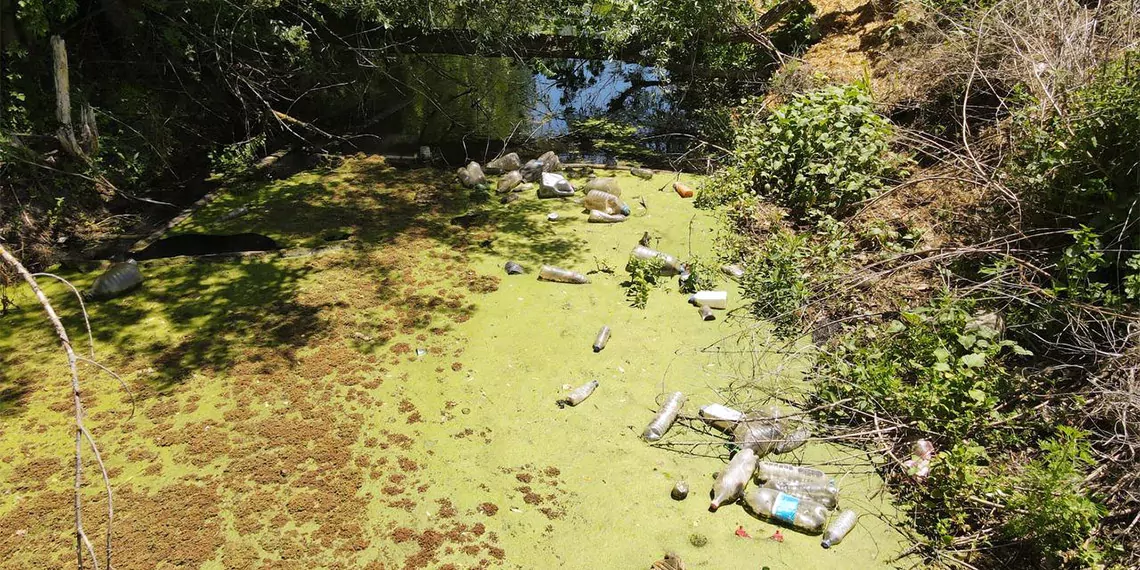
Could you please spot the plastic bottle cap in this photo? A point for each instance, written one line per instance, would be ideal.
(825, 543)
(625, 210)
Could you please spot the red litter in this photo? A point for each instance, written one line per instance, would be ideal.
(742, 533)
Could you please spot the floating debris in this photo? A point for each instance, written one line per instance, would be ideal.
(643, 173)
(602, 338)
(557, 274)
(513, 268)
(118, 279)
(665, 417)
(680, 491)
(579, 394)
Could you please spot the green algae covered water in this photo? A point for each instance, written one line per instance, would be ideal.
(392, 403)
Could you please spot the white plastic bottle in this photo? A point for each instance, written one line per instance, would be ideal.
(720, 417)
(732, 479)
(710, 299)
(803, 514)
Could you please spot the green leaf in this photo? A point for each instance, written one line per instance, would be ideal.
(973, 360)
(967, 340)
(941, 354)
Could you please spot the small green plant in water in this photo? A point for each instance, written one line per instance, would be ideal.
(644, 275)
(702, 276)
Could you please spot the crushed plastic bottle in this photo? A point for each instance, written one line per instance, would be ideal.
(803, 514)
(117, 279)
(643, 173)
(554, 186)
(514, 268)
(602, 338)
(670, 265)
(768, 470)
(551, 273)
(664, 418)
(720, 417)
(826, 494)
(707, 313)
(794, 440)
(605, 202)
(609, 185)
(682, 190)
(758, 435)
(599, 217)
(918, 466)
(532, 171)
(550, 162)
(711, 299)
(731, 481)
(505, 163)
(476, 172)
(734, 271)
(509, 181)
(840, 526)
(579, 394)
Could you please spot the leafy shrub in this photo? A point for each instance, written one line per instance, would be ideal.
(936, 367)
(702, 276)
(782, 271)
(817, 155)
(1050, 509)
(644, 275)
(234, 158)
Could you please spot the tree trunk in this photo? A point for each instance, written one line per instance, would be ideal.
(66, 132)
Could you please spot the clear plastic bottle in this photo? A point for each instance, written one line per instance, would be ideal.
(513, 268)
(531, 171)
(839, 527)
(476, 172)
(577, 395)
(768, 470)
(732, 479)
(608, 184)
(605, 202)
(665, 417)
(551, 273)
(720, 417)
(803, 514)
(600, 217)
(734, 271)
(826, 494)
(119, 278)
(505, 163)
(602, 338)
(712, 299)
(680, 491)
(672, 266)
(550, 162)
(643, 173)
(554, 186)
(707, 314)
(509, 181)
(758, 435)
(793, 441)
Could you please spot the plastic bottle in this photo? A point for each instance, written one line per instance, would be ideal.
(602, 338)
(550, 162)
(605, 202)
(551, 273)
(577, 395)
(464, 177)
(713, 299)
(672, 266)
(793, 441)
(803, 514)
(720, 417)
(476, 172)
(918, 466)
(531, 171)
(707, 313)
(665, 417)
(839, 527)
(118, 278)
(609, 185)
(642, 173)
(768, 470)
(682, 190)
(758, 435)
(599, 217)
(826, 494)
(731, 481)
(734, 271)
(513, 268)
(554, 186)
(509, 181)
(680, 491)
(505, 163)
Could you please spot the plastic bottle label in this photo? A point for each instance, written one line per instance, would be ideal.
(785, 508)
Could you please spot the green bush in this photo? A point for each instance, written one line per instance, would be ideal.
(818, 154)
(1050, 509)
(644, 275)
